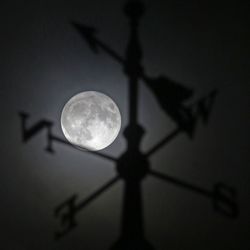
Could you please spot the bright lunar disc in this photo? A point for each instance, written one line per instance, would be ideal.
(91, 120)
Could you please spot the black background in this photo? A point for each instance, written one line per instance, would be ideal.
(44, 62)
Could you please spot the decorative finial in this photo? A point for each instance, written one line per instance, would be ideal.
(134, 9)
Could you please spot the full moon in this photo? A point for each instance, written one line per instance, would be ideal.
(91, 120)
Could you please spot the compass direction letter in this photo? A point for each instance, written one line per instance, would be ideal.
(28, 133)
(203, 107)
(199, 110)
(66, 211)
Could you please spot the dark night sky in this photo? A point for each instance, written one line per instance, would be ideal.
(44, 62)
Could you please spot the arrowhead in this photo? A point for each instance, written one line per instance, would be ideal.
(88, 33)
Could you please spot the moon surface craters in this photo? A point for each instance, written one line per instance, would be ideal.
(91, 120)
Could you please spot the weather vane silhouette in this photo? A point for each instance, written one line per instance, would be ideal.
(133, 165)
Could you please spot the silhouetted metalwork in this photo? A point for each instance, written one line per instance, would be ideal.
(133, 165)
(68, 209)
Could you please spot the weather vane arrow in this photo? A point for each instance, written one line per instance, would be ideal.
(171, 101)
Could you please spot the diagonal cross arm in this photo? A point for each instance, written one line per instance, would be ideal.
(63, 141)
(67, 211)
(165, 140)
(223, 197)
(200, 109)
(28, 132)
(180, 183)
(97, 193)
